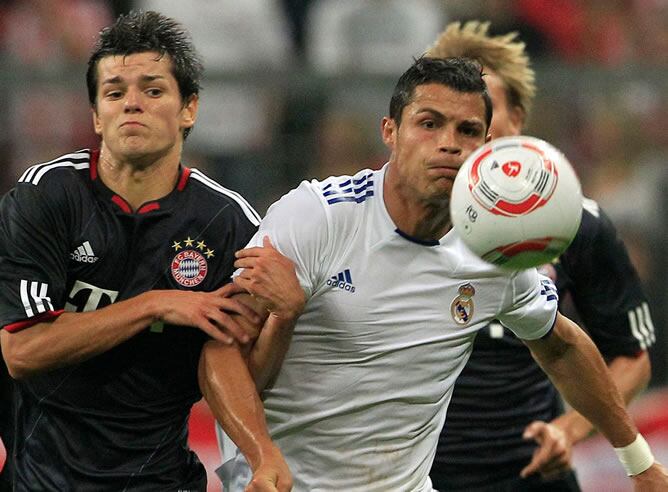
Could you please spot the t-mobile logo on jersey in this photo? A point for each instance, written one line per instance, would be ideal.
(86, 297)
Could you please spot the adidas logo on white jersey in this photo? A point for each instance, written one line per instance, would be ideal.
(84, 254)
(343, 280)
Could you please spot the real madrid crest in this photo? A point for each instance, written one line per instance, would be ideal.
(189, 266)
(462, 305)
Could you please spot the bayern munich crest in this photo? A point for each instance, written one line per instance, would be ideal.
(189, 266)
(462, 305)
(519, 171)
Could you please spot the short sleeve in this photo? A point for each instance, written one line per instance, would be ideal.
(33, 257)
(298, 228)
(531, 305)
(606, 289)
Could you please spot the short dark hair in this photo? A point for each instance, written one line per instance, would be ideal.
(460, 74)
(139, 32)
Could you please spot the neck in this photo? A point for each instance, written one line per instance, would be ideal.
(435, 221)
(138, 180)
(425, 219)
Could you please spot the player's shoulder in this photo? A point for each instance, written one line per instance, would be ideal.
(330, 209)
(335, 196)
(347, 197)
(595, 224)
(218, 197)
(342, 193)
(67, 169)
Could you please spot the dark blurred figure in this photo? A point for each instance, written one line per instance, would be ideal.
(296, 12)
(120, 6)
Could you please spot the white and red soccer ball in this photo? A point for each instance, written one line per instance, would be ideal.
(516, 202)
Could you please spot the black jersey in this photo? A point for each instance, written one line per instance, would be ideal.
(502, 389)
(117, 421)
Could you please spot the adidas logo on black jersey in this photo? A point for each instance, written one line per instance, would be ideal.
(343, 280)
(84, 254)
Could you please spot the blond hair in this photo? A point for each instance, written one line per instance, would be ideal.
(502, 54)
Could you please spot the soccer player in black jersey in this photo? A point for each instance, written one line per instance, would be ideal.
(505, 430)
(113, 265)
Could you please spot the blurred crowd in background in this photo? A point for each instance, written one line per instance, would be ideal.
(296, 89)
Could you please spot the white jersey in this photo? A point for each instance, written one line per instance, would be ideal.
(388, 326)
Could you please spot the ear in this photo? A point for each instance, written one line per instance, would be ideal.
(97, 125)
(388, 130)
(189, 112)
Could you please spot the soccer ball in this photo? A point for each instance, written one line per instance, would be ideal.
(516, 202)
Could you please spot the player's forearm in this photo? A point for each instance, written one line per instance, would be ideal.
(577, 369)
(233, 399)
(269, 350)
(630, 374)
(75, 337)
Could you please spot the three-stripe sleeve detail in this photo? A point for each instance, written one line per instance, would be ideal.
(642, 327)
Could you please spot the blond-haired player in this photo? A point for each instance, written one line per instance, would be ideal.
(500, 439)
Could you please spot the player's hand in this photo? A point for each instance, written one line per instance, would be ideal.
(654, 479)
(272, 475)
(553, 455)
(271, 277)
(208, 311)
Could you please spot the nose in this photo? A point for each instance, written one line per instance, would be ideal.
(448, 141)
(133, 101)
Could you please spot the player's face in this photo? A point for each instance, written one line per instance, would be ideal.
(507, 120)
(139, 109)
(439, 129)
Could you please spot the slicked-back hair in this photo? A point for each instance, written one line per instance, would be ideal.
(459, 74)
(503, 54)
(140, 32)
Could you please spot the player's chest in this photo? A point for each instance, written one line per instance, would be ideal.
(406, 291)
(115, 257)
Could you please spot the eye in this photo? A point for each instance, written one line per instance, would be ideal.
(154, 92)
(113, 95)
(428, 124)
(470, 131)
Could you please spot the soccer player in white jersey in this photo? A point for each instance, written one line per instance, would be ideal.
(393, 302)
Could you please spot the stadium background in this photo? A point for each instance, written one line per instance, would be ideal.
(296, 88)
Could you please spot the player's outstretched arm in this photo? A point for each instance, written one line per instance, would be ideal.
(631, 376)
(556, 439)
(75, 337)
(234, 401)
(575, 366)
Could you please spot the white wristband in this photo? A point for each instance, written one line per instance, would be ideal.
(636, 457)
